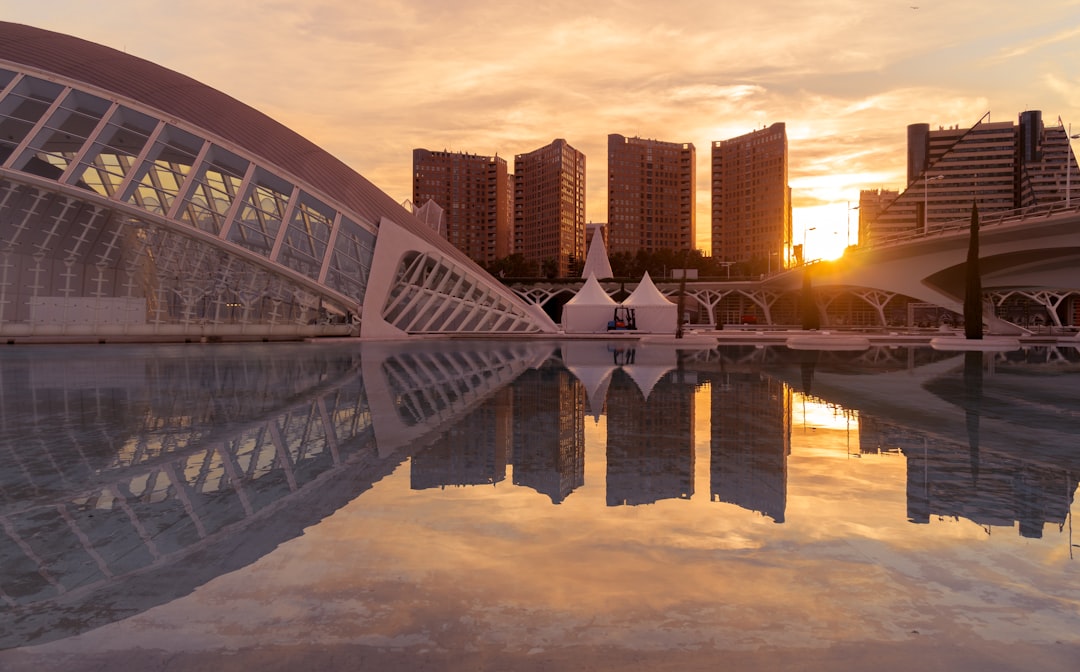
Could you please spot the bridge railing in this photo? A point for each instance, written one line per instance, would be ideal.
(985, 221)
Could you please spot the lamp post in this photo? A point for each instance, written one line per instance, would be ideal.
(847, 241)
(771, 255)
(926, 202)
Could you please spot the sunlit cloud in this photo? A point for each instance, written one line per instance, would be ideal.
(1038, 43)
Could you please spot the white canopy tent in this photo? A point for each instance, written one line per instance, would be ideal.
(589, 311)
(653, 312)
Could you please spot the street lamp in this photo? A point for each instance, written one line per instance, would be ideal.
(926, 202)
(771, 255)
(847, 241)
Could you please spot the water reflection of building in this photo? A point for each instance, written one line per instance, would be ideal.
(549, 431)
(129, 479)
(650, 440)
(472, 452)
(121, 470)
(950, 480)
(751, 441)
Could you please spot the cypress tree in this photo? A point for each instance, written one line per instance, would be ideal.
(811, 319)
(973, 327)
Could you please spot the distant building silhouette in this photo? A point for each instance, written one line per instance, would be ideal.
(549, 207)
(652, 195)
(475, 194)
(872, 202)
(1000, 165)
(751, 200)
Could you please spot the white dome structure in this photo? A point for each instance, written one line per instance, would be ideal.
(136, 202)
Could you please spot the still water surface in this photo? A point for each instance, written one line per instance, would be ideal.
(537, 505)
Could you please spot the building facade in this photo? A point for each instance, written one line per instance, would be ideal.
(651, 195)
(549, 208)
(751, 200)
(475, 194)
(136, 202)
(999, 166)
(872, 202)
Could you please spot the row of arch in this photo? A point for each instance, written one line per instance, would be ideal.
(857, 307)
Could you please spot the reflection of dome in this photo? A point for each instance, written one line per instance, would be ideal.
(168, 454)
(176, 464)
(155, 189)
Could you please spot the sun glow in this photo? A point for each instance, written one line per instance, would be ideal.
(825, 230)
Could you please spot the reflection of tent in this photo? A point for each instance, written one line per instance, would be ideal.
(655, 313)
(589, 311)
(591, 363)
(649, 366)
(596, 260)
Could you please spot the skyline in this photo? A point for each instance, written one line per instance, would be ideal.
(369, 82)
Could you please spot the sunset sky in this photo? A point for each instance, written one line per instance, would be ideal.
(370, 80)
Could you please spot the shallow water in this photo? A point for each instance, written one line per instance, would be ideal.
(537, 505)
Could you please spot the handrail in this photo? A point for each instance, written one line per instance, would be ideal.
(993, 219)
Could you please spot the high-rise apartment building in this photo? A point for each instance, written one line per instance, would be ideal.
(872, 202)
(549, 207)
(651, 195)
(474, 192)
(751, 200)
(1000, 166)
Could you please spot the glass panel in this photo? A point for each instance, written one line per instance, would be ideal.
(351, 260)
(257, 224)
(64, 134)
(21, 109)
(115, 150)
(218, 183)
(158, 180)
(307, 236)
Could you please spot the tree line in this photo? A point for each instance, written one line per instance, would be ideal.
(627, 265)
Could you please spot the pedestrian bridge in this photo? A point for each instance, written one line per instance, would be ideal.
(1029, 256)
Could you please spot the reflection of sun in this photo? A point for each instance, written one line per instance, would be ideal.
(812, 412)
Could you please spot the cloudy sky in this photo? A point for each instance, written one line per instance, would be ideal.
(369, 80)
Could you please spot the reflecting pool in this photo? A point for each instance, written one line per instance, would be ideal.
(528, 505)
